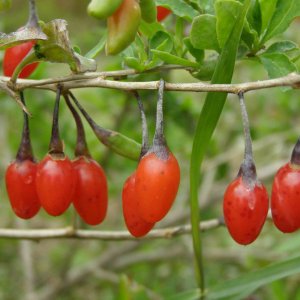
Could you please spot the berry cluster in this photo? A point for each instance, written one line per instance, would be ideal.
(149, 192)
(56, 181)
(246, 201)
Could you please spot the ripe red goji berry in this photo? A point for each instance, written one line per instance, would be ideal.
(157, 174)
(55, 178)
(245, 204)
(285, 205)
(20, 177)
(90, 196)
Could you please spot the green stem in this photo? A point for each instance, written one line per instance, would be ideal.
(28, 59)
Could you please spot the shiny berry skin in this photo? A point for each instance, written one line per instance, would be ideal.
(90, 197)
(55, 184)
(13, 56)
(162, 13)
(20, 186)
(134, 223)
(285, 199)
(157, 182)
(245, 210)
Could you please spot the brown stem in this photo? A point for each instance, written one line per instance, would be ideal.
(295, 158)
(56, 144)
(25, 149)
(81, 148)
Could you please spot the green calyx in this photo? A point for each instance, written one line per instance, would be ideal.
(102, 9)
(148, 10)
(123, 26)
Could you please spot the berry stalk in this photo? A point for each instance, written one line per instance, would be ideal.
(159, 142)
(247, 169)
(145, 135)
(116, 141)
(81, 148)
(25, 148)
(56, 144)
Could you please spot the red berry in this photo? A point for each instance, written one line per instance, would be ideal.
(90, 196)
(55, 184)
(20, 186)
(285, 200)
(13, 56)
(157, 182)
(135, 224)
(245, 210)
(162, 13)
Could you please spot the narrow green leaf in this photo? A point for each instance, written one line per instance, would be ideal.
(249, 35)
(227, 12)
(282, 46)
(277, 64)
(180, 8)
(134, 63)
(207, 123)
(267, 9)
(285, 12)
(98, 48)
(162, 41)
(254, 17)
(256, 279)
(245, 284)
(173, 59)
(187, 295)
(197, 53)
(203, 33)
(149, 29)
(124, 288)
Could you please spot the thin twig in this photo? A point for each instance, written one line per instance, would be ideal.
(98, 80)
(69, 232)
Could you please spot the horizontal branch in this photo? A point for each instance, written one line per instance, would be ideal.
(69, 232)
(99, 80)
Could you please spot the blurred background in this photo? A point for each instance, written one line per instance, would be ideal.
(154, 269)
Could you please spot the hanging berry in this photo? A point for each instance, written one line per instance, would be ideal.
(20, 177)
(285, 205)
(14, 55)
(116, 141)
(245, 204)
(122, 26)
(55, 179)
(158, 173)
(137, 226)
(90, 196)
